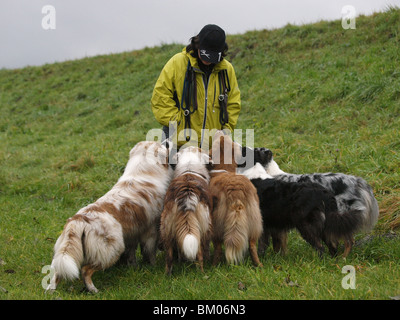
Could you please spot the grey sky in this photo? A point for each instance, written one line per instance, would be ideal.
(91, 27)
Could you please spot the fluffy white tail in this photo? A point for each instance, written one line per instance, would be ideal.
(190, 247)
(68, 251)
(65, 267)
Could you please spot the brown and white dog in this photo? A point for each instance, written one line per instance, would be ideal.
(237, 221)
(96, 237)
(185, 220)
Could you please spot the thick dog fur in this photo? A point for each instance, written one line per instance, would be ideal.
(186, 220)
(356, 205)
(306, 206)
(236, 216)
(96, 237)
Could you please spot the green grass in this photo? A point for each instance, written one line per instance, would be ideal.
(320, 97)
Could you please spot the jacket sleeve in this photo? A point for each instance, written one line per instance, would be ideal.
(162, 101)
(234, 103)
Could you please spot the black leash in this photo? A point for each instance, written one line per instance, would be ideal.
(189, 98)
(225, 87)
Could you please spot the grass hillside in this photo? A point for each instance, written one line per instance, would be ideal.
(320, 97)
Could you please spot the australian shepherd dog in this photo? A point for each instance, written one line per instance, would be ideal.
(357, 208)
(100, 233)
(306, 206)
(236, 217)
(186, 218)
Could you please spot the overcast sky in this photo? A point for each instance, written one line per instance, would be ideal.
(92, 27)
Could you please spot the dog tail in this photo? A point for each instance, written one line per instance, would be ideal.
(361, 215)
(339, 224)
(236, 233)
(68, 251)
(371, 211)
(188, 234)
(190, 246)
(342, 225)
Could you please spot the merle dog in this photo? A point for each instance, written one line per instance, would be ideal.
(357, 208)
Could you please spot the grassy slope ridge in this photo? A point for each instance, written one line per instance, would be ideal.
(320, 97)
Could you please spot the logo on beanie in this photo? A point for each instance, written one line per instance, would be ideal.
(204, 53)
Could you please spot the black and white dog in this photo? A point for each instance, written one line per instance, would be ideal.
(357, 207)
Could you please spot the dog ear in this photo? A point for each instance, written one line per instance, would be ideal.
(133, 151)
(160, 153)
(269, 155)
(266, 155)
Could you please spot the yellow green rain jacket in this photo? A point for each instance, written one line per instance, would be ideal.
(206, 116)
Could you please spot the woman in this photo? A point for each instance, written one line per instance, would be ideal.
(197, 90)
